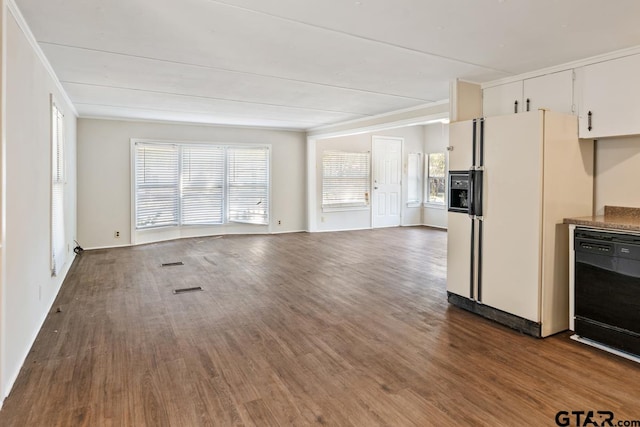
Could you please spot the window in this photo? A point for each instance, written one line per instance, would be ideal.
(435, 182)
(202, 192)
(157, 183)
(346, 179)
(203, 184)
(414, 179)
(248, 173)
(58, 253)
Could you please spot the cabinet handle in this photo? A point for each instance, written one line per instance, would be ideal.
(515, 107)
(528, 104)
(589, 120)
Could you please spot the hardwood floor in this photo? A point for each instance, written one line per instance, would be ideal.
(344, 329)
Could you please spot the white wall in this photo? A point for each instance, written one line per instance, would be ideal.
(361, 219)
(617, 173)
(104, 176)
(436, 140)
(28, 290)
(4, 387)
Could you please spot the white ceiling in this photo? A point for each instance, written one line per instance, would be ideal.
(305, 63)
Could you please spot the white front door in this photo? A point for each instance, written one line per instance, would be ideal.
(387, 187)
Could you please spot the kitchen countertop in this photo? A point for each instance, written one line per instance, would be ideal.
(614, 218)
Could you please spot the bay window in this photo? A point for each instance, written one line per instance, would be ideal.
(200, 184)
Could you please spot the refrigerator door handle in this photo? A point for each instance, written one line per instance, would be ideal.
(472, 212)
(478, 177)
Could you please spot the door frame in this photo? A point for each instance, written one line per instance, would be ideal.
(402, 180)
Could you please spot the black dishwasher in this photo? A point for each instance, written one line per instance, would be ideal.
(607, 288)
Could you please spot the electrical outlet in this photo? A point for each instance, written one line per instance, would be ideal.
(116, 234)
(279, 222)
(321, 219)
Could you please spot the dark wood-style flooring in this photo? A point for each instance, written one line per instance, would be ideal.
(341, 329)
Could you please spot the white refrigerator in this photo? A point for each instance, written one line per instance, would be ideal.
(507, 253)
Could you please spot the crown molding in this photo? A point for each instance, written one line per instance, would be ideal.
(355, 122)
(22, 23)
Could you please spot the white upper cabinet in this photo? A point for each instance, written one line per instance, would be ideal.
(609, 94)
(550, 91)
(502, 99)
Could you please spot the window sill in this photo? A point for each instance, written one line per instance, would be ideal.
(440, 206)
(346, 209)
(414, 205)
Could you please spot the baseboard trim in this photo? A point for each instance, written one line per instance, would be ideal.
(108, 247)
(437, 227)
(8, 386)
(343, 229)
(288, 232)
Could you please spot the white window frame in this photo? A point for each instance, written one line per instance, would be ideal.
(58, 185)
(428, 203)
(225, 221)
(352, 205)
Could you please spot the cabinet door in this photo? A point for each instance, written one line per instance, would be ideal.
(500, 100)
(460, 145)
(552, 92)
(610, 91)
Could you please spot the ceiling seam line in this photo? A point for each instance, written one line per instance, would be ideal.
(173, 111)
(208, 67)
(397, 46)
(212, 98)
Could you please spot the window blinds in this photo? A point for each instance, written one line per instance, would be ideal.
(203, 184)
(58, 253)
(346, 179)
(413, 178)
(248, 171)
(157, 185)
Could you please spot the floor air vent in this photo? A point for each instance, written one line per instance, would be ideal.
(171, 264)
(185, 290)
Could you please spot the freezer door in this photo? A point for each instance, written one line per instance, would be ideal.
(459, 254)
(512, 211)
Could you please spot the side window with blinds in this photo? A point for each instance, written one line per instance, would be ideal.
(200, 184)
(248, 180)
(414, 179)
(346, 179)
(58, 252)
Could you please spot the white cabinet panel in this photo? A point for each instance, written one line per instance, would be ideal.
(610, 91)
(460, 146)
(552, 92)
(500, 100)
